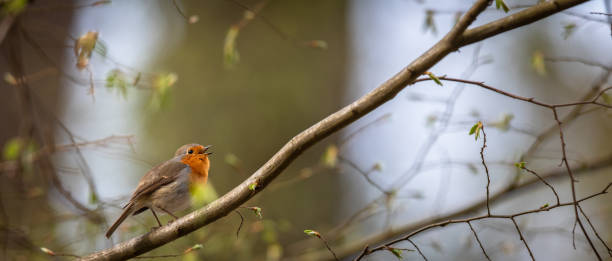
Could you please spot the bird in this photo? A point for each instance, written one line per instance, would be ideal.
(166, 187)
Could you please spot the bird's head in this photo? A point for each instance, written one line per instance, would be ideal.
(196, 157)
(192, 149)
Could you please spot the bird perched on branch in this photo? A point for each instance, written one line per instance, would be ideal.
(166, 187)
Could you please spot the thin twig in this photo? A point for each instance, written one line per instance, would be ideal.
(518, 230)
(526, 99)
(603, 242)
(256, 13)
(585, 17)
(573, 180)
(543, 181)
(486, 216)
(599, 13)
(351, 135)
(577, 60)
(478, 240)
(318, 235)
(504, 193)
(484, 145)
(361, 254)
(418, 249)
(363, 173)
(190, 19)
(178, 9)
(241, 221)
(574, 234)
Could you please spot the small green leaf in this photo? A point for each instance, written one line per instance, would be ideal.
(520, 165)
(537, 62)
(476, 130)
(232, 160)
(312, 233)
(116, 80)
(473, 129)
(434, 78)
(330, 157)
(505, 7)
(93, 198)
(194, 247)
(429, 22)
(257, 211)
(568, 30)
(162, 87)
(253, 186)
(12, 148)
(396, 252)
(16, 146)
(544, 206)
(501, 4)
(231, 56)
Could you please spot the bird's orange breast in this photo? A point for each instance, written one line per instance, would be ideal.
(199, 165)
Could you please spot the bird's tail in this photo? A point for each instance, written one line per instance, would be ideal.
(129, 208)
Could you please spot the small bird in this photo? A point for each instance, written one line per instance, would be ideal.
(166, 186)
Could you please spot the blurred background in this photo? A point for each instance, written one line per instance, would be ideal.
(110, 89)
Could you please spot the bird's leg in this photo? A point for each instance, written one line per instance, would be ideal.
(155, 215)
(169, 213)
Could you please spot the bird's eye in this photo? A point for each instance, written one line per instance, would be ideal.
(190, 151)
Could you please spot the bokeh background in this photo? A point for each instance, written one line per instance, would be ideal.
(166, 73)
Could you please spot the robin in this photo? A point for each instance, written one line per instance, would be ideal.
(166, 187)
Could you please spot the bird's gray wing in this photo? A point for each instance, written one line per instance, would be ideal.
(160, 175)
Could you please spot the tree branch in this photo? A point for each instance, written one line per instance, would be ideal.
(332, 123)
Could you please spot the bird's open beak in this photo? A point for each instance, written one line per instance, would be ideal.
(206, 150)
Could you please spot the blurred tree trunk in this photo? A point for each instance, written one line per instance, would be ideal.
(33, 50)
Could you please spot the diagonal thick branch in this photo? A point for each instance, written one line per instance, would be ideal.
(456, 38)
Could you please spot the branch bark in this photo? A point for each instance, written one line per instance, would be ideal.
(455, 39)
